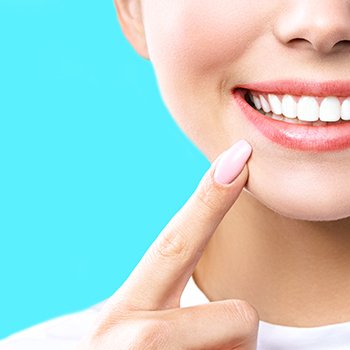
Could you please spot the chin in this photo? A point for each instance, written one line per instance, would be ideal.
(323, 201)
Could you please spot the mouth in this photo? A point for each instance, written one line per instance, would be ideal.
(299, 115)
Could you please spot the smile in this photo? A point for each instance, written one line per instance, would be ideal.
(299, 115)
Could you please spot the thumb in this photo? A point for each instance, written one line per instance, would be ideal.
(226, 324)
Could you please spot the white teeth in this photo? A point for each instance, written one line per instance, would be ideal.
(275, 104)
(345, 109)
(257, 102)
(264, 104)
(289, 106)
(330, 109)
(277, 117)
(308, 109)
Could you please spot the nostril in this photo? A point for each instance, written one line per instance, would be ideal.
(299, 42)
(322, 46)
(342, 43)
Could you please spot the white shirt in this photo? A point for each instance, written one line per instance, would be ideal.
(65, 332)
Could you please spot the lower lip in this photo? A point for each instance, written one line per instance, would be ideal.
(301, 137)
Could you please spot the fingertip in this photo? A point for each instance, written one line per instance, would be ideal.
(231, 163)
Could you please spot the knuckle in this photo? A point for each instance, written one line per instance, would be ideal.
(152, 334)
(245, 313)
(173, 245)
(132, 333)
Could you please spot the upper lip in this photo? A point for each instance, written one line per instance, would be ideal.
(339, 88)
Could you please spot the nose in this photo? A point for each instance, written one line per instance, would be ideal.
(320, 25)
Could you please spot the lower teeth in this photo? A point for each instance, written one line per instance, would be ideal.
(293, 120)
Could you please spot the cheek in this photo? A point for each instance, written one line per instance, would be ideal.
(197, 37)
(193, 44)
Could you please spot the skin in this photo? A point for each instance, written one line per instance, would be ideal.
(139, 316)
(283, 247)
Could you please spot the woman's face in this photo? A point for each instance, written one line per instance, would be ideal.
(202, 49)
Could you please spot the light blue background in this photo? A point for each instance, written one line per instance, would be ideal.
(92, 164)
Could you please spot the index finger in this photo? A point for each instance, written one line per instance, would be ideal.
(162, 274)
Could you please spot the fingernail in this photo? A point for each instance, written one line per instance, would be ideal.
(232, 162)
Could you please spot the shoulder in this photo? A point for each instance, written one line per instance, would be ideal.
(59, 333)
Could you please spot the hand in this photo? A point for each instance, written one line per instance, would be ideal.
(144, 313)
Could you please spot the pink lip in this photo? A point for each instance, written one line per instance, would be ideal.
(297, 137)
(339, 88)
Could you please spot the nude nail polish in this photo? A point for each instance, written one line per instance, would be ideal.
(232, 162)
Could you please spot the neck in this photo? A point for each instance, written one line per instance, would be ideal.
(294, 272)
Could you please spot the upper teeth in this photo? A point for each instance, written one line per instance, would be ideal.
(306, 108)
